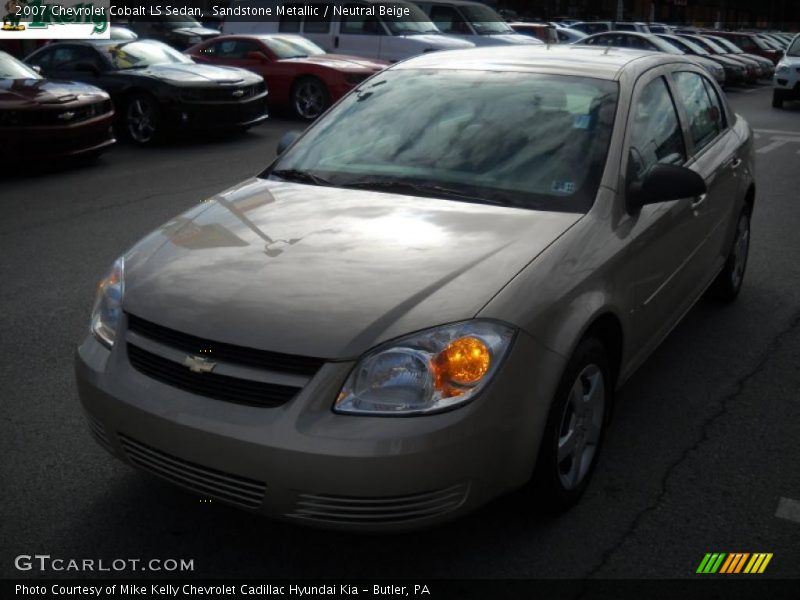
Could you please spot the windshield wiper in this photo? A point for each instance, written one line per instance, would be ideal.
(380, 185)
(299, 176)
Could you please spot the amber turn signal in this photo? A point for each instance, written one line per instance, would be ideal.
(464, 362)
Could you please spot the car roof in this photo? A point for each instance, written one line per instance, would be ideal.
(564, 59)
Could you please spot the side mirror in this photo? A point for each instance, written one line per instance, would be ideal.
(663, 183)
(86, 67)
(36, 68)
(287, 139)
(259, 56)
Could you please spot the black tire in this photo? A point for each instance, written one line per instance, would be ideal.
(142, 119)
(777, 98)
(310, 98)
(548, 487)
(728, 284)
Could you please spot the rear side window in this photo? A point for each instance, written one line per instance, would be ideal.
(655, 131)
(704, 116)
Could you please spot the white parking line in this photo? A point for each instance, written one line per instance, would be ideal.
(788, 509)
(772, 146)
(777, 132)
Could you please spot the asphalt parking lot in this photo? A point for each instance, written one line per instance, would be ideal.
(702, 450)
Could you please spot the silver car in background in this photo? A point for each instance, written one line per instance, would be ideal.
(430, 297)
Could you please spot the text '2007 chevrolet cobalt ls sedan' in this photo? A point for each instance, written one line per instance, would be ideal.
(429, 298)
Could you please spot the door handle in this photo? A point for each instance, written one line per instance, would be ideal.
(336, 41)
(736, 163)
(699, 200)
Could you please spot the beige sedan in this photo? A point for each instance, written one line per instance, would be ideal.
(430, 297)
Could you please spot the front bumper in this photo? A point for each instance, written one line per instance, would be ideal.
(26, 143)
(184, 115)
(788, 81)
(304, 463)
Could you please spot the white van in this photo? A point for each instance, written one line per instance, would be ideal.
(390, 38)
(473, 22)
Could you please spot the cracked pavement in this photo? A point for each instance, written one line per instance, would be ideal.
(703, 444)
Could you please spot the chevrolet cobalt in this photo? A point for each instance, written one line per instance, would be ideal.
(430, 297)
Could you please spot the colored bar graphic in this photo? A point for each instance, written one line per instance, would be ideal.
(734, 563)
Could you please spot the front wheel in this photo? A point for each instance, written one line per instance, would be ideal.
(142, 119)
(728, 283)
(310, 98)
(574, 430)
(777, 98)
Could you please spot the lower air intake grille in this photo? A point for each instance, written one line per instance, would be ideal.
(212, 385)
(390, 509)
(203, 480)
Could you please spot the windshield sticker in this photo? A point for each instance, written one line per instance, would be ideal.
(582, 122)
(563, 187)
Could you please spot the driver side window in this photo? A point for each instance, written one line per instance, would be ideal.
(656, 135)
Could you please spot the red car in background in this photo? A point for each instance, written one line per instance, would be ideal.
(298, 73)
(751, 43)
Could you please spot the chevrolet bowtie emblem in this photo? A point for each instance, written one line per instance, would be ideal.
(198, 364)
(238, 93)
(66, 116)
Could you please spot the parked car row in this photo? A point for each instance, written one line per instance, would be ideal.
(722, 58)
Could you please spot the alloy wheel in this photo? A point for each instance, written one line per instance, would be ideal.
(310, 99)
(581, 427)
(141, 120)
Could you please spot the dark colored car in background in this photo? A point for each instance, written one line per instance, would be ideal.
(752, 44)
(156, 88)
(751, 67)
(179, 31)
(41, 119)
(651, 43)
(298, 73)
(735, 71)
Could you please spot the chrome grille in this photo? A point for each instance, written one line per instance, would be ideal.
(263, 359)
(203, 480)
(212, 385)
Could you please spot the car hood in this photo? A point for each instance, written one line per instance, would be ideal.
(192, 73)
(341, 62)
(499, 39)
(439, 41)
(21, 93)
(327, 272)
(203, 32)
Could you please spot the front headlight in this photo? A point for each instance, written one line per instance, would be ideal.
(426, 372)
(782, 69)
(107, 310)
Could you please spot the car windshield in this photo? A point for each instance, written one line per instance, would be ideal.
(728, 45)
(485, 20)
(715, 46)
(664, 46)
(138, 55)
(413, 22)
(689, 45)
(292, 47)
(525, 140)
(794, 49)
(11, 68)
